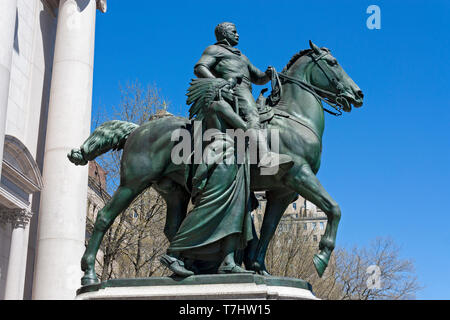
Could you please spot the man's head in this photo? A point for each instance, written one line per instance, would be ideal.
(227, 31)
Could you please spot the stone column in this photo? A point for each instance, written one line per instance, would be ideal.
(15, 278)
(7, 27)
(62, 213)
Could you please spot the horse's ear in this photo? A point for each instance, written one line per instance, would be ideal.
(315, 48)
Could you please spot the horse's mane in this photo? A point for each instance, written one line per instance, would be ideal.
(297, 56)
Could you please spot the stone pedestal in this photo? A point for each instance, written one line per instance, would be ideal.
(201, 287)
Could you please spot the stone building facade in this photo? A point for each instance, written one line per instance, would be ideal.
(97, 195)
(301, 215)
(46, 70)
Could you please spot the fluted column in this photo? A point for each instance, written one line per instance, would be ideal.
(7, 27)
(62, 213)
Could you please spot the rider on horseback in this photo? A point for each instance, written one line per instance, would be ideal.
(223, 61)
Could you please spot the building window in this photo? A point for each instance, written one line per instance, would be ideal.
(305, 226)
(321, 226)
(314, 238)
(314, 225)
(294, 205)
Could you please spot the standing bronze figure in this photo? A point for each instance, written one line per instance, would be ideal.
(310, 77)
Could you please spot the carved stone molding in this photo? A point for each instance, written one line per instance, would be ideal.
(19, 218)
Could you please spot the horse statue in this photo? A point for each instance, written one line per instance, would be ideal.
(311, 76)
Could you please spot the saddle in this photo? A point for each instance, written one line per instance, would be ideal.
(267, 112)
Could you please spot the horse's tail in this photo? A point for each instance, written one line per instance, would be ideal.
(111, 135)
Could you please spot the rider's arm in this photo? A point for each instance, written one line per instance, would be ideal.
(227, 113)
(257, 76)
(208, 59)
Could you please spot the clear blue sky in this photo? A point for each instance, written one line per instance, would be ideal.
(387, 163)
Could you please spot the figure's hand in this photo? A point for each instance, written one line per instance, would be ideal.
(269, 72)
(232, 82)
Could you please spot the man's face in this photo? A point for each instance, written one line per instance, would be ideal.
(231, 35)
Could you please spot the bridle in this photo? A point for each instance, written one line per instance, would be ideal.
(321, 94)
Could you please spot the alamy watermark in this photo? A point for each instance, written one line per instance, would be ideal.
(374, 280)
(374, 20)
(212, 146)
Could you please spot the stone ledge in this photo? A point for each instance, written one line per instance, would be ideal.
(200, 287)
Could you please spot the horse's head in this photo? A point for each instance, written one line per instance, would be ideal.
(329, 76)
(322, 71)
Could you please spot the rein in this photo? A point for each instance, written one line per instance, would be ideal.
(312, 89)
(316, 91)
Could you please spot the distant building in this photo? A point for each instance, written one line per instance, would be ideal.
(300, 215)
(97, 194)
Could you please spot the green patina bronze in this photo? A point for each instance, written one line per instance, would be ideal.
(207, 239)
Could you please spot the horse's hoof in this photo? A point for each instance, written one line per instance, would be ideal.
(264, 273)
(261, 270)
(88, 280)
(319, 264)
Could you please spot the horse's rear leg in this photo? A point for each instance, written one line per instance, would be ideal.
(304, 181)
(177, 201)
(122, 198)
(277, 202)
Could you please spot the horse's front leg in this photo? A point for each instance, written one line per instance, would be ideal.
(304, 181)
(277, 202)
(122, 198)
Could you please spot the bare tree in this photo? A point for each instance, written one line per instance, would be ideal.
(348, 276)
(290, 255)
(390, 276)
(138, 104)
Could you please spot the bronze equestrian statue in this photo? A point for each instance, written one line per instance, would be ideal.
(310, 77)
